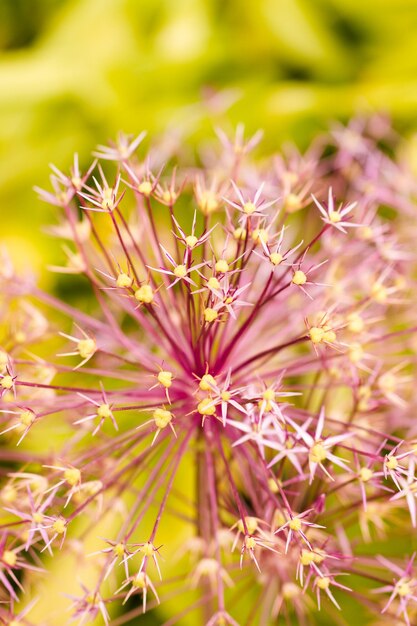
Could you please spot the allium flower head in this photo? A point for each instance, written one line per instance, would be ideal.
(220, 418)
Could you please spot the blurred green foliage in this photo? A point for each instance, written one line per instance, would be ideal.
(74, 72)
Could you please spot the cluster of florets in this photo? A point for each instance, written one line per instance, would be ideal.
(250, 330)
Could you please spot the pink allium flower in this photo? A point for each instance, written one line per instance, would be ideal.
(240, 331)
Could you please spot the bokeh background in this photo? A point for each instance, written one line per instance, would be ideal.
(75, 72)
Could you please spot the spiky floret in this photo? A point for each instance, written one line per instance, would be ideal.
(246, 342)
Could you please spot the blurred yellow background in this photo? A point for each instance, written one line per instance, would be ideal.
(74, 72)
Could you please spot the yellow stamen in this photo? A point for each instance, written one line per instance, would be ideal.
(86, 348)
(210, 315)
(144, 294)
(299, 278)
(180, 271)
(124, 281)
(145, 188)
(222, 266)
(165, 378)
(162, 417)
(207, 382)
(206, 407)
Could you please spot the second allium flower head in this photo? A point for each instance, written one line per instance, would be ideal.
(239, 328)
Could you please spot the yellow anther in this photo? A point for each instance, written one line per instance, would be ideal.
(295, 524)
(275, 258)
(86, 348)
(76, 182)
(64, 196)
(355, 323)
(124, 281)
(73, 476)
(222, 266)
(318, 556)
(391, 462)
(250, 543)
(27, 418)
(335, 372)
(108, 202)
(165, 378)
(92, 487)
(279, 519)
(251, 525)
(169, 196)
(59, 526)
(293, 203)
(335, 217)
(144, 294)
(290, 178)
(180, 271)
(139, 580)
(299, 278)
(355, 352)
(119, 549)
(323, 583)
(9, 558)
(104, 411)
(208, 202)
(329, 336)
(38, 518)
(92, 599)
(290, 591)
(207, 382)
(145, 188)
(225, 396)
(20, 336)
(269, 394)
(306, 557)
(365, 233)
(318, 453)
(6, 382)
(162, 417)
(213, 283)
(8, 494)
(316, 334)
(210, 314)
(191, 241)
(206, 407)
(240, 233)
(249, 208)
(365, 474)
(379, 293)
(147, 549)
(404, 587)
(273, 485)
(260, 235)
